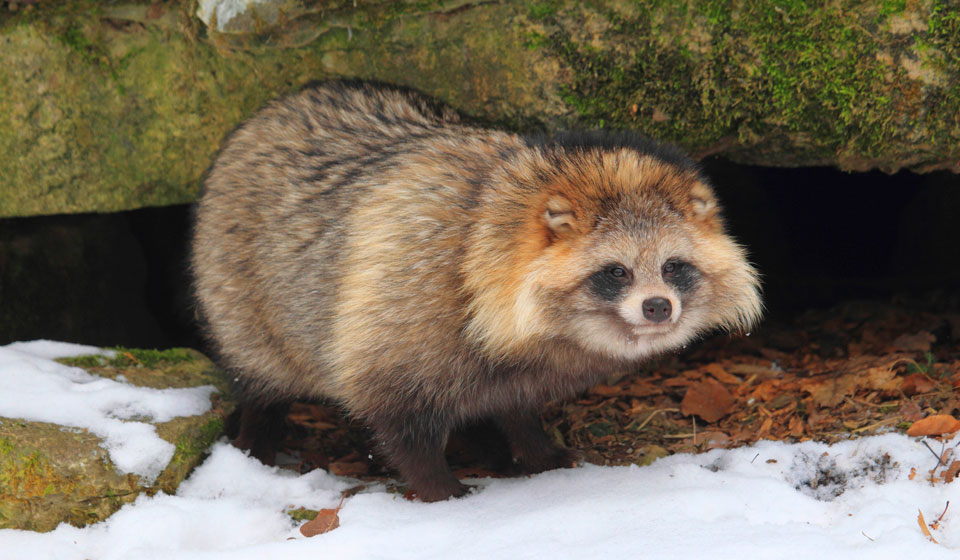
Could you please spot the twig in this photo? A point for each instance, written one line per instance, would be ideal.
(944, 512)
(939, 458)
(654, 413)
(891, 420)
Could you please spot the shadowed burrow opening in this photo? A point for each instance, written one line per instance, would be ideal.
(819, 236)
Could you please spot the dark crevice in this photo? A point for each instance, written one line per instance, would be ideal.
(819, 236)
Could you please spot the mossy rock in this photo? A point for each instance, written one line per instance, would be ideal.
(51, 474)
(109, 106)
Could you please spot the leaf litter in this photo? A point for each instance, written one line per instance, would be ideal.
(854, 370)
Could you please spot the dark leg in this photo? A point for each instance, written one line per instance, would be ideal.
(532, 450)
(261, 429)
(482, 443)
(414, 444)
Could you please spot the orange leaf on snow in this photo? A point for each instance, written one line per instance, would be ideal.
(326, 520)
(923, 526)
(707, 399)
(935, 425)
(951, 472)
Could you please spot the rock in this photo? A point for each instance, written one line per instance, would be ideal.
(123, 106)
(51, 474)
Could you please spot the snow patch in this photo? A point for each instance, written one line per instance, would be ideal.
(844, 501)
(224, 10)
(35, 388)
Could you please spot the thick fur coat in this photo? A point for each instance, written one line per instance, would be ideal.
(359, 242)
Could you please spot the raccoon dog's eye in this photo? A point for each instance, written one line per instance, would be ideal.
(670, 268)
(617, 271)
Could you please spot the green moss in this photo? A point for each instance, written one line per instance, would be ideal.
(191, 445)
(891, 7)
(6, 446)
(86, 361)
(543, 9)
(133, 357)
(817, 77)
(302, 514)
(150, 358)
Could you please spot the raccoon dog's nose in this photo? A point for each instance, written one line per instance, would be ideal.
(657, 309)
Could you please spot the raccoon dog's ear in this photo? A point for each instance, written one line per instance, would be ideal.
(703, 204)
(559, 216)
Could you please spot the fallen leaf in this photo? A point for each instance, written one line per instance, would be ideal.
(707, 399)
(877, 377)
(924, 528)
(918, 342)
(917, 383)
(766, 391)
(607, 390)
(911, 411)
(326, 520)
(936, 425)
(827, 391)
(712, 439)
(643, 388)
(343, 468)
(721, 374)
(951, 472)
(753, 369)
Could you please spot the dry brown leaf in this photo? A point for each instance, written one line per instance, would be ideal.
(344, 468)
(918, 342)
(607, 390)
(713, 439)
(923, 527)
(762, 372)
(917, 383)
(877, 377)
(936, 425)
(707, 399)
(677, 382)
(643, 388)
(766, 391)
(827, 391)
(717, 371)
(951, 472)
(910, 411)
(326, 520)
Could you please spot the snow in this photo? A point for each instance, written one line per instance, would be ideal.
(224, 10)
(34, 387)
(853, 499)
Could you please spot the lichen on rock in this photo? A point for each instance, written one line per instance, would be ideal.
(52, 473)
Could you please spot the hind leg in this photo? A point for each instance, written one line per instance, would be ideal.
(261, 429)
(532, 450)
(414, 445)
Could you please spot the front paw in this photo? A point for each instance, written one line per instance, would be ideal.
(436, 491)
(553, 458)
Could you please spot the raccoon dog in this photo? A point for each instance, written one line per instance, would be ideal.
(359, 242)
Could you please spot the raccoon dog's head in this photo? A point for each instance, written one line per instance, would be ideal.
(621, 252)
